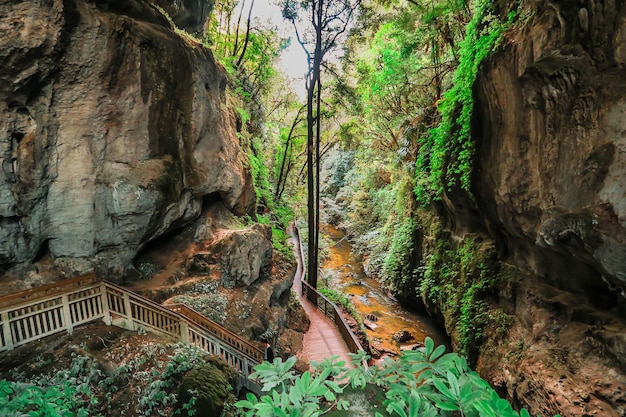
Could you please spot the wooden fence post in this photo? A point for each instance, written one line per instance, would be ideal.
(184, 331)
(129, 312)
(67, 316)
(6, 330)
(104, 298)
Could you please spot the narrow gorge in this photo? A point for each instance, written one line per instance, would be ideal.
(473, 153)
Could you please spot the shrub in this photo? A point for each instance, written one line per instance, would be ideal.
(458, 279)
(426, 382)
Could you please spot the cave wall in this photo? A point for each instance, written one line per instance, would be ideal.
(112, 129)
(550, 188)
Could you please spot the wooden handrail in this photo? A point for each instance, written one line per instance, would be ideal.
(214, 328)
(140, 298)
(33, 314)
(342, 325)
(48, 290)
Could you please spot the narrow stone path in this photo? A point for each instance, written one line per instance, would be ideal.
(323, 339)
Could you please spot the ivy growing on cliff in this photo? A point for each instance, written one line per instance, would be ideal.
(457, 279)
(447, 152)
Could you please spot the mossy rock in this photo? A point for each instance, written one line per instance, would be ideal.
(211, 384)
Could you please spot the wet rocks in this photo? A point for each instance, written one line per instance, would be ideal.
(413, 346)
(402, 336)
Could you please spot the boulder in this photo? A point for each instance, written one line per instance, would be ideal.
(201, 264)
(244, 255)
(402, 336)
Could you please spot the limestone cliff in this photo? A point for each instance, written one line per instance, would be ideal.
(551, 192)
(114, 128)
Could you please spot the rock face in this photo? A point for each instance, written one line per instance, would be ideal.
(189, 15)
(244, 255)
(114, 129)
(551, 191)
(554, 129)
(195, 264)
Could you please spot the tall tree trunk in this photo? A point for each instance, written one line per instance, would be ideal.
(332, 23)
(236, 44)
(282, 176)
(313, 117)
(247, 39)
(312, 255)
(318, 125)
(287, 172)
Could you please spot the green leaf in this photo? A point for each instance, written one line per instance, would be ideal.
(415, 404)
(430, 345)
(437, 353)
(454, 384)
(343, 405)
(446, 406)
(397, 408)
(442, 388)
(278, 412)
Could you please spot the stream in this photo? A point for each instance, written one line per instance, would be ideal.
(344, 270)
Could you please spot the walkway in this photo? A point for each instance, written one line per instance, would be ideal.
(323, 339)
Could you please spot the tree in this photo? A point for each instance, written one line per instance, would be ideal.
(287, 153)
(328, 21)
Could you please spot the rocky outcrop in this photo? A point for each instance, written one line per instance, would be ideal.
(200, 265)
(551, 191)
(114, 130)
(244, 255)
(190, 15)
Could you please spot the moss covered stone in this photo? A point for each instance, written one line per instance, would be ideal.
(207, 389)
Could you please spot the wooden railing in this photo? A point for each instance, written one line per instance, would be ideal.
(326, 306)
(218, 331)
(33, 314)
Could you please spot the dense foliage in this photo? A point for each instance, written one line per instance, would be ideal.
(426, 382)
(267, 110)
(84, 388)
(399, 128)
(398, 131)
(447, 152)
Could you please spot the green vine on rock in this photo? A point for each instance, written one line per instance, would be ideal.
(458, 279)
(447, 152)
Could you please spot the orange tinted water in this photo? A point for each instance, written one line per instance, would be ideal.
(344, 270)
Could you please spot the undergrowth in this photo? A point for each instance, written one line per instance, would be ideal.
(149, 375)
(426, 382)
